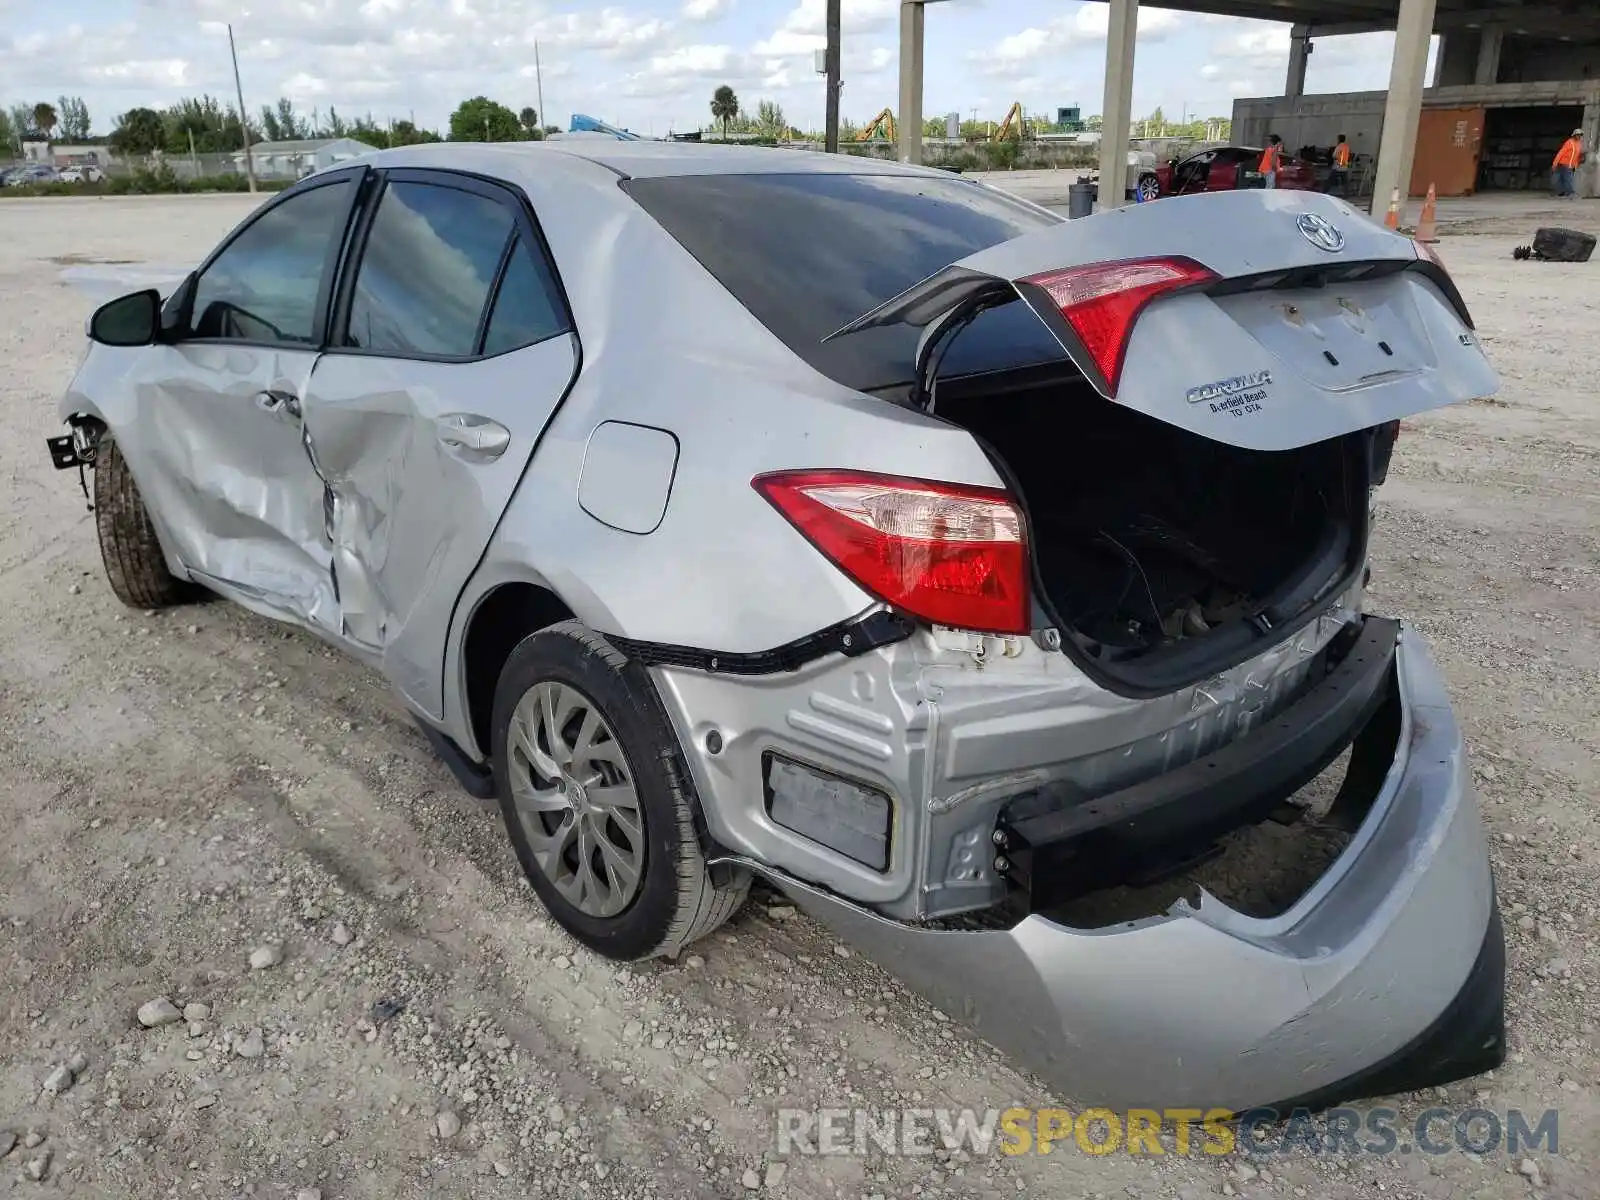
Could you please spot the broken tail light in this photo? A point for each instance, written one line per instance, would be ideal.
(946, 553)
(1102, 301)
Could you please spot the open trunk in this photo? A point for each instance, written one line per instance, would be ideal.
(1159, 554)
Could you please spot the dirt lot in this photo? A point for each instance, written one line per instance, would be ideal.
(182, 789)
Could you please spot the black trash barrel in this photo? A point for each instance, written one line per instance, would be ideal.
(1080, 198)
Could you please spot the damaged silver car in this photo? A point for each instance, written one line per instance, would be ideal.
(952, 566)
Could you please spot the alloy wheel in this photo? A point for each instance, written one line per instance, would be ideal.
(575, 795)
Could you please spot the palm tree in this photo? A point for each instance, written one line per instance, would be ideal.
(44, 118)
(724, 107)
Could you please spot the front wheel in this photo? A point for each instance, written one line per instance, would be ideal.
(596, 799)
(135, 566)
(1149, 188)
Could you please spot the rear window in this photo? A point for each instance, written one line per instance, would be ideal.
(807, 253)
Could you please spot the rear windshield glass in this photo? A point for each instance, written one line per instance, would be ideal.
(807, 253)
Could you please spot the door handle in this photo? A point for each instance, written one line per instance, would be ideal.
(278, 403)
(471, 437)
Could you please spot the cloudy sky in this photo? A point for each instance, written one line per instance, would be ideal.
(649, 64)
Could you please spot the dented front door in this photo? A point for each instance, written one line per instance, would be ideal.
(422, 415)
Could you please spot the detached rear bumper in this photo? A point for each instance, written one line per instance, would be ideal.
(1388, 975)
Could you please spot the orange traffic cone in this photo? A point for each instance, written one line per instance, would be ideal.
(1392, 220)
(1425, 223)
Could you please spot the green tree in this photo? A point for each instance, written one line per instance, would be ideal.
(769, 119)
(139, 131)
(531, 129)
(724, 106)
(9, 134)
(337, 126)
(44, 118)
(214, 127)
(365, 129)
(74, 114)
(481, 119)
(404, 133)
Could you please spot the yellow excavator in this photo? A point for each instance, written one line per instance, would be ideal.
(882, 126)
(1012, 126)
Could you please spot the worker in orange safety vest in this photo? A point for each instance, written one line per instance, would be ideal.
(1339, 175)
(1566, 164)
(1271, 160)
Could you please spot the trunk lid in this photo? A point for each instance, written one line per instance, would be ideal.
(1320, 322)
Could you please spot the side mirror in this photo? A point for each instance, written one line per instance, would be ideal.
(132, 320)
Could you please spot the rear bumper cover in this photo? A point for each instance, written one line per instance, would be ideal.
(1387, 975)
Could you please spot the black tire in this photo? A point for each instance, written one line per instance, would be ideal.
(1563, 245)
(135, 566)
(677, 901)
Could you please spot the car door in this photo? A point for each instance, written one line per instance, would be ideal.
(452, 346)
(1193, 172)
(216, 439)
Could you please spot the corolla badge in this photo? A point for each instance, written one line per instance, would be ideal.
(1228, 387)
(1320, 232)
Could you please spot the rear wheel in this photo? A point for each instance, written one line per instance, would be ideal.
(135, 566)
(1149, 188)
(596, 799)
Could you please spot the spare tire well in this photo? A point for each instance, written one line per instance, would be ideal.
(503, 618)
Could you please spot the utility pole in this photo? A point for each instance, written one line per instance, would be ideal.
(244, 122)
(831, 67)
(538, 83)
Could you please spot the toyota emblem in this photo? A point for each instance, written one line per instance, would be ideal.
(1320, 232)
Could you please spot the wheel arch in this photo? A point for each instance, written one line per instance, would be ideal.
(498, 621)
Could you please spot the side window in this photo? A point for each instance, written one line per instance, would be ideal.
(427, 270)
(264, 286)
(525, 309)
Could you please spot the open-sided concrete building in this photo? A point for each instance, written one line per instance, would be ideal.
(1512, 79)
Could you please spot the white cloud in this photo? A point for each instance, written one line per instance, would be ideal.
(1267, 44)
(1210, 71)
(855, 16)
(1019, 47)
(1087, 26)
(786, 43)
(704, 10)
(1093, 21)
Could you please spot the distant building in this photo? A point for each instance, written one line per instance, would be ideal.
(294, 159)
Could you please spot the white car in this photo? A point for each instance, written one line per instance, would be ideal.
(82, 173)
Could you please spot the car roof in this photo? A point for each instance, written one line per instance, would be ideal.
(648, 159)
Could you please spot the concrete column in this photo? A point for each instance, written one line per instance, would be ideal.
(1490, 39)
(910, 118)
(1404, 106)
(1299, 52)
(1117, 109)
(1589, 172)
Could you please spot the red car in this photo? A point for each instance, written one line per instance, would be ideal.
(1224, 168)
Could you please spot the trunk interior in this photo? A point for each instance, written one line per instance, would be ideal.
(1164, 556)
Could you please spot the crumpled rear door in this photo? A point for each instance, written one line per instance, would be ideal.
(422, 416)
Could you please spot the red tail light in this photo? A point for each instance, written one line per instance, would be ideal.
(1102, 301)
(947, 553)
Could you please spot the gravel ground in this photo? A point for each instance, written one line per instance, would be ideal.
(229, 833)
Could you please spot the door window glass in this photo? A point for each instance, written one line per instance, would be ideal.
(427, 269)
(264, 286)
(525, 309)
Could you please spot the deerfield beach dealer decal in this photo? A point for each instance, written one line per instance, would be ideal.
(1239, 396)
